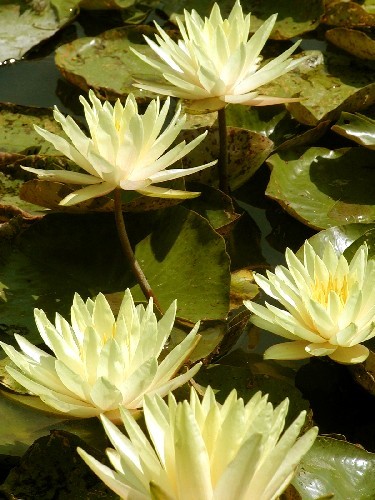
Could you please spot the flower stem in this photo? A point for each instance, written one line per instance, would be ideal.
(128, 251)
(223, 152)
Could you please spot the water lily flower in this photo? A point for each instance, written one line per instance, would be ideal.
(328, 305)
(215, 63)
(125, 150)
(204, 450)
(101, 362)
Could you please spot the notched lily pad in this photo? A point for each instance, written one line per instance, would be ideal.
(25, 24)
(328, 84)
(214, 206)
(324, 188)
(294, 18)
(110, 51)
(246, 153)
(353, 41)
(359, 128)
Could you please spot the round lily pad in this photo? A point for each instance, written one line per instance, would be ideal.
(106, 64)
(349, 14)
(324, 188)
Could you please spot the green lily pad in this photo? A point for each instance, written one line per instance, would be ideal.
(338, 468)
(25, 24)
(214, 206)
(357, 127)
(327, 84)
(349, 14)
(340, 237)
(324, 188)
(246, 153)
(17, 134)
(294, 17)
(275, 123)
(110, 51)
(185, 259)
(353, 41)
(16, 437)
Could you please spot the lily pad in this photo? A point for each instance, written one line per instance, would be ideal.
(353, 41)
(246, 153)
(340, 237)
(349, 14)
(294, 17)
(336, 469)
(275, 123)
(359, 128)
(17, 134)
(110, 51)
(185, 259)
(324, 188)
(25, 24)
(105, 4)
(51, 468)
(16, 437)
(327, 84)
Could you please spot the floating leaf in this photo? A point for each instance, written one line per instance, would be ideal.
(340, 237)
(338, 468)
(353, 41)
(17, 129)
(275, 123)
(25, 24)
(357, 127)
(110, 51)
(185, 259)
(215, 206)
(246, 153)
(328, 84)
(294, 16)
(105, 4)
(51, 466)
(324, 188)
(348, 14)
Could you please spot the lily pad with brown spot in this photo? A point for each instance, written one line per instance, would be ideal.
(295, 17)
(106, 64)
(355, 42)
(246, 153)
(348, 14)
(327, 83)
(17, 133)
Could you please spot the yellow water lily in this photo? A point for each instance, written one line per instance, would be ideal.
(215, 62)
(125, 150)
(204, 450)
(328, 305)
(99, 361)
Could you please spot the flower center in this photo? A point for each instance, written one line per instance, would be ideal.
(322, 289)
